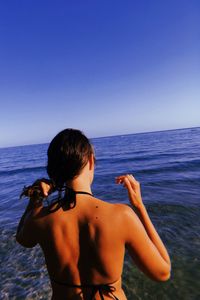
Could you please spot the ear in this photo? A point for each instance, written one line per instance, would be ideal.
(91, 162)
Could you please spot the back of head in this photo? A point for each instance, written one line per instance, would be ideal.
(68, 153)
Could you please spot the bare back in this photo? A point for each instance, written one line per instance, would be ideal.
(85, 245)
(82, 245)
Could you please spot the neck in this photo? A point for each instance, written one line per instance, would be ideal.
(80, 185)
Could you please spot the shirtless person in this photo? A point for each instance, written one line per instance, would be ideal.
(84, 238)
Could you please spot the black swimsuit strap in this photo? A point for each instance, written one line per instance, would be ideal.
(101, 288)
(108, 289)
(71, 191)
(81, 192)
(70, 196)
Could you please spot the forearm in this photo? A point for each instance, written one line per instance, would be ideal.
(134, 192)
(152, 233)
(32, 207)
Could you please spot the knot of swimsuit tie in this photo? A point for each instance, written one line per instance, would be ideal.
(70, 196)
(105, 288)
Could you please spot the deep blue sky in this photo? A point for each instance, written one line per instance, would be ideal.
(107, 67)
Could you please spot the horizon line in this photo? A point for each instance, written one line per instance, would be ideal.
(107, 136)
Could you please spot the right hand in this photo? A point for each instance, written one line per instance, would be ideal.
(40, 189)
(133, 188)
(46, 186)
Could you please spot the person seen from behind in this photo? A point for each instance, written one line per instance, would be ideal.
(84, 238)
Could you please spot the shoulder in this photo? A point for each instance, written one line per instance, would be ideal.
(125, 215)
(125, 210)
(128, 220)
(121, 213)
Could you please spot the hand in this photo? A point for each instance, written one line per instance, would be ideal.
(43, 189)
(133, 188)
(40, 189)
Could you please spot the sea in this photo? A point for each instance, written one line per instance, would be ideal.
(167, 165)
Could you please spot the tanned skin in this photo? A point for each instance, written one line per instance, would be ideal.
(86, 244)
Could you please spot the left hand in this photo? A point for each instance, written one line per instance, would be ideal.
(133, 188)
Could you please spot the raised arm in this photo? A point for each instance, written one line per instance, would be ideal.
(26, 235)
(26, 231)
(142, 240)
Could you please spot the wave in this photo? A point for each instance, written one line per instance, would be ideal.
(160, 158)
(22, 170)
(193, 165)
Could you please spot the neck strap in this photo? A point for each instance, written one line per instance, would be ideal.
(82, 192)
(71, 191)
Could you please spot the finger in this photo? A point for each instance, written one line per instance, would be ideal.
(45, 188)
(120, 179)
(131, 181)
(132, 178)
(123, 176)
(134, 183)
(127, 184)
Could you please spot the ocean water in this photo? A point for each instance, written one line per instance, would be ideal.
(167, 164)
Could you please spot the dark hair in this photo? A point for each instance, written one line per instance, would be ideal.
(68, 154)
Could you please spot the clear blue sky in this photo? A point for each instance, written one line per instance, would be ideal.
(107, 67)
